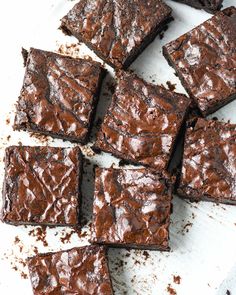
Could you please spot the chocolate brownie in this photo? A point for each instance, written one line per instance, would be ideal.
(132, 208)
(209, 162)
(79, 271)
(142, 122)
(41, 186)
(209, 5)
(59, 95)
(205, 61)
(117, 30)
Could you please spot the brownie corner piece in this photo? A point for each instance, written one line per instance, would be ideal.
(81, 271)
(209, 166)
(42, 186)
(143, 122)
(132, 209)
(58, 96)
(117, 31)
(204, 59)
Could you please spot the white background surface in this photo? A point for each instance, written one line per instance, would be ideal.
(203, 235)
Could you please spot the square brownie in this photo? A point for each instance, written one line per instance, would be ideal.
(41, 186)
(142, 122)
(210, 6)
(209, 162)
(58, 96)
(132, 208)
(205, 61)
(117, 30)
(76, 271)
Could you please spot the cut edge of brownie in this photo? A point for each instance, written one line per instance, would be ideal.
(209, 9)
(34, 129)
(221, 103)
(135, 52)
(97, 149)
(79, 176)
(180, 190)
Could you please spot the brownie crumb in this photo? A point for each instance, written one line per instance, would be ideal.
(146, 254)
(177, 279)
(40, 234)
(8, 137)
(170, 290)
(24, 275)
(170, 86)
(7, 121)
(228, 292)
(67, 237)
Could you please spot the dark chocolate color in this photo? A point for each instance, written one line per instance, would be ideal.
(79, 271)
(117, 30)
(59, 95)
(205, 61)
(42, 186)
(209, 163)
(132, 208)
(209, 5)
(142, 122)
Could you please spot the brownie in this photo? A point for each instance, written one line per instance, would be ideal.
(117, 30)
(41, 186)
(210, 6)
(81, 271)
(142, 122)
(132, 208)
(59, 95)
(205, 61)
(209, 162)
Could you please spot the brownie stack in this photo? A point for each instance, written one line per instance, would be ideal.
(142, 126)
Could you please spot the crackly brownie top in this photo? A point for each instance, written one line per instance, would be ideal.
(205, 58)
(76, 271)
(41, 185)
(209, 162)
(57, 95)
(115, 28)
(131, 207)
(142, 123)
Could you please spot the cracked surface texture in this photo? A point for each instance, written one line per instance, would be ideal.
(209, 162)
(205, 60)
(209, 5)
(82, 271)
(132, 208)
(41, 185)
(58, 96)
(117, 30)
(142, 122)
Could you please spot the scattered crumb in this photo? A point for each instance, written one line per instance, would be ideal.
(228, 292)
(24, 275)
(171, 290)
(177, 279)
(72, 49)
(8, 137)
(67, 236)
(40, 233)
(7, 121)
(146, 254)
(170, 86)
(17, 240)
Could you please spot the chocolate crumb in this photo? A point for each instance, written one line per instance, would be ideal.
(171, 290)
(7, 121)
(171, 86)
(40, 234)
(146, 254)
(24, 275)
(228, 292)
(177, 279)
